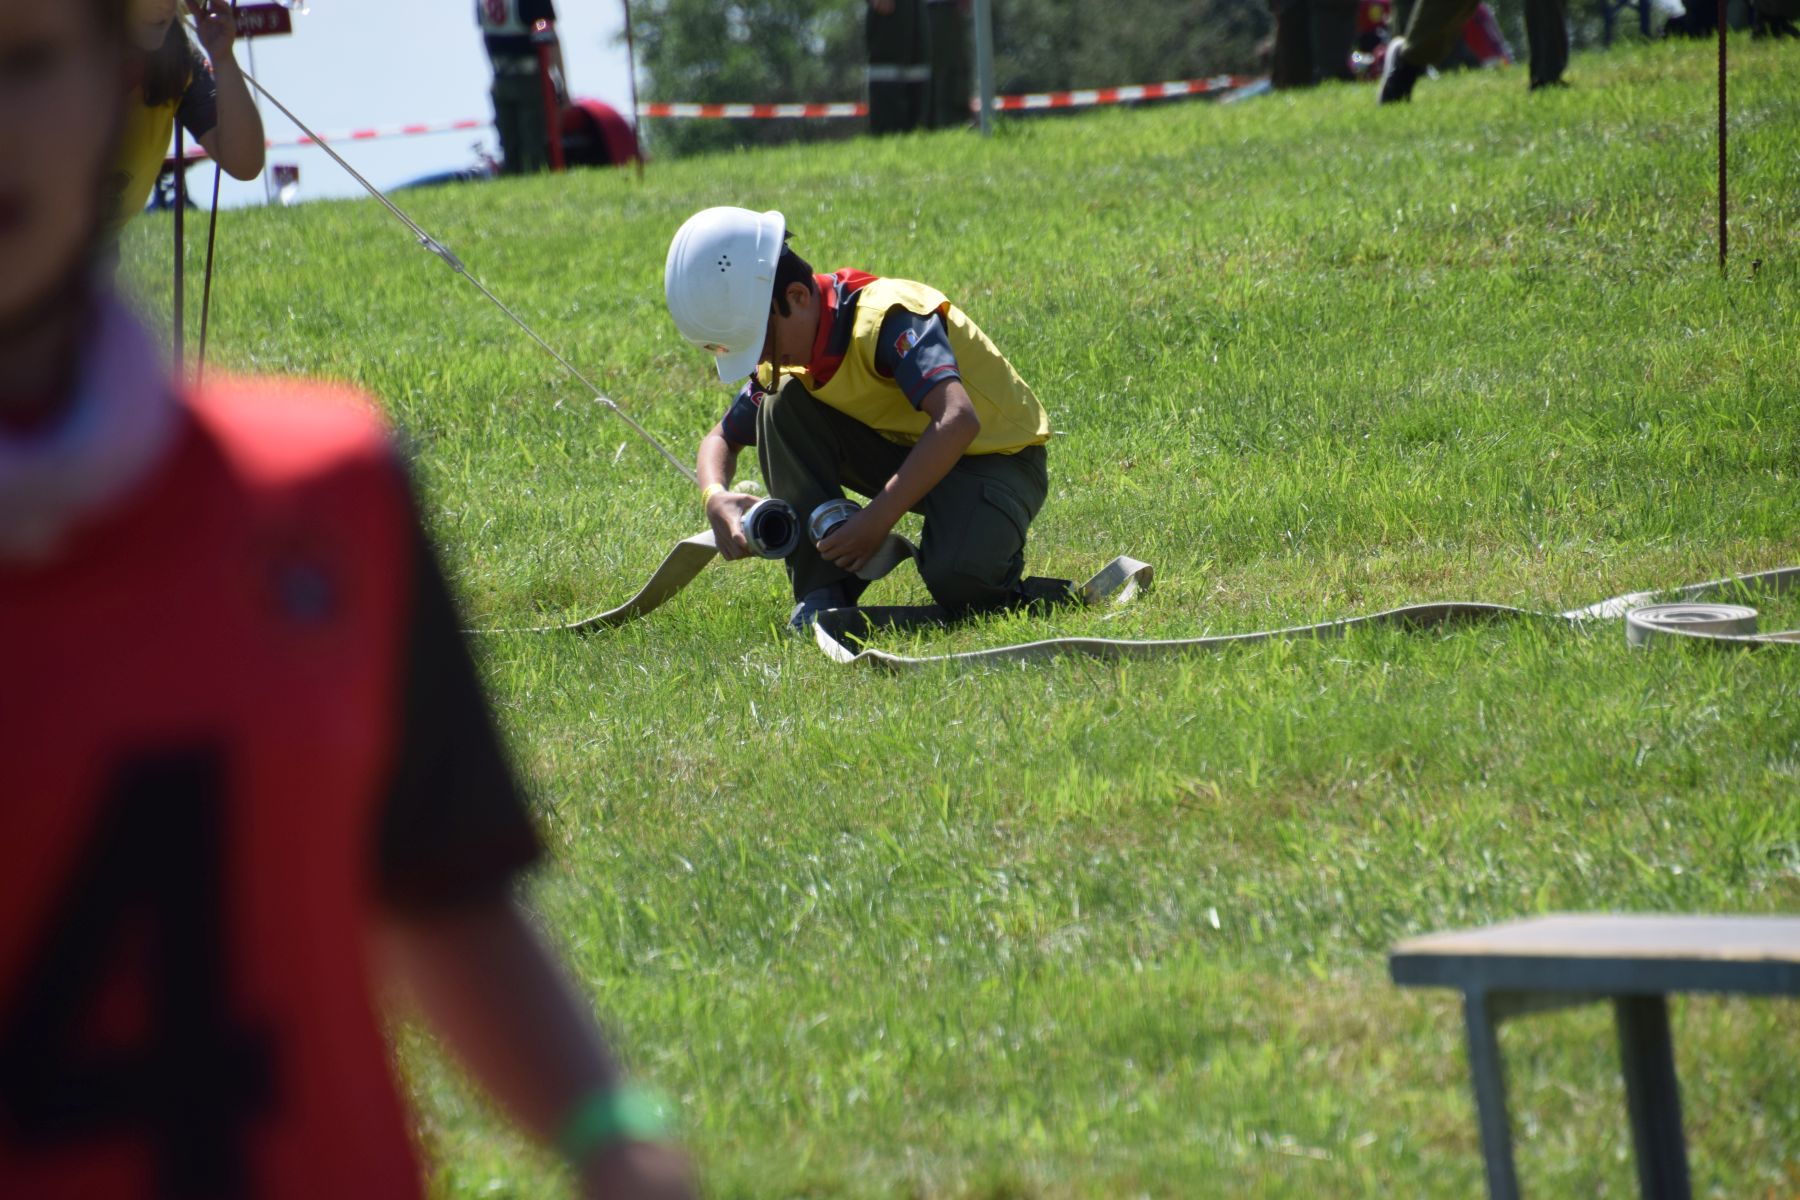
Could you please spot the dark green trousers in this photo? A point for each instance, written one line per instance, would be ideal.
(1436, 26)
(899, 67)
(948, 104)
(519, 116)
(972, 553)
(1313, 41)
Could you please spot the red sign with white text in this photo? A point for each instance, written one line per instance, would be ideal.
(264, 20)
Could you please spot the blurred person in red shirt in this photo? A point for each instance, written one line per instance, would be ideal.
(247, 774)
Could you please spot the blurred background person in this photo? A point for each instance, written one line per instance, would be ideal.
(1313, 41)
(513, 31)
(1482, 44)
(949, 90)
(172, 81)
(1437, 28)
(247, 773)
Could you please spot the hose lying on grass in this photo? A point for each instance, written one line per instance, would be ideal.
(1696, 615)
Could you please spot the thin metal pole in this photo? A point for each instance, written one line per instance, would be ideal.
(1722, 243)
(179, 305)
(984, 62)
(637, 124)
(212, 237)
(268, 180)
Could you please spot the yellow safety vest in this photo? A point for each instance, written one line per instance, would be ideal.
(1011, 417)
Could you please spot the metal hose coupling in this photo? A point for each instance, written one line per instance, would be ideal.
(828, 516)
(772, 528)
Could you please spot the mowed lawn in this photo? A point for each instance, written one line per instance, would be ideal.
(1086, 930)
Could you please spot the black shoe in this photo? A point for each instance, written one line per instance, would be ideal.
(1538, 85)
(1762, 25)
(1397, 75)
(1691, 25)
(842, 594)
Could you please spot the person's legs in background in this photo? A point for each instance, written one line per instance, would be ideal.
(1431, 34)
(899, 66)
(1291, 64)
(1333, 37)
(950, 89)
(519, 116)
(1547, 35)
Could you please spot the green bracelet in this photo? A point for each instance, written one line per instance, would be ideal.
(607, 1115)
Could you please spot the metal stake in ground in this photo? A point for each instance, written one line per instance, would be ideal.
(637, 121)
(212, 236)
(179, 303)
(1722, 4)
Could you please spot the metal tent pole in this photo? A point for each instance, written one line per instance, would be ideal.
(1722, 243)
(984, 62)
(178, 317)
(637, 122)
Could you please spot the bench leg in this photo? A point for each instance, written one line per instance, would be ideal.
(1653, 1097)
(1490, 1096)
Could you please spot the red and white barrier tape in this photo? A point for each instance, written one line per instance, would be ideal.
(391, 131)
(738, 112)
(1091, 97)
(1027, 102)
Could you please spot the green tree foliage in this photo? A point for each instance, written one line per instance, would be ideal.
(761, 51)
(767, 51)
(1042, 45)
(813, 50)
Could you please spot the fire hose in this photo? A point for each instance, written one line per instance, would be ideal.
(1697, 613)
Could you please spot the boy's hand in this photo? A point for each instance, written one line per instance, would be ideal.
(638, 1171)
(852, 544)
(725, 513)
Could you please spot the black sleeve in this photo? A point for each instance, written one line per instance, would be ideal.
(531, 11)
(454, 826)
(199, 108)
(915, 352)
(739, 421)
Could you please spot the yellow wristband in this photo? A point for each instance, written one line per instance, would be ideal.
(712, 489)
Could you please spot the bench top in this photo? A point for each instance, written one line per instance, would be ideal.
(1609, 954)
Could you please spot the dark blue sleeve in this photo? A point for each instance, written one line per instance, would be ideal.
(199, 107)
(739, 421)
(915, 352)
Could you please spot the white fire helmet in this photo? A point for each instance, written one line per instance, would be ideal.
(719, 281)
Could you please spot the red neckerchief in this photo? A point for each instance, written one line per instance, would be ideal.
(823, 364)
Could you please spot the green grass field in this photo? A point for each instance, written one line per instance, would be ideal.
(1083, 930)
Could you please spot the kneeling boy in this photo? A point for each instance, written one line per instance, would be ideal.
(889, 390)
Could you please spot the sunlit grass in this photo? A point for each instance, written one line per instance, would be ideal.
(1092, 930)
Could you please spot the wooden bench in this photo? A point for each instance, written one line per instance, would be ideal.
(1634, 961)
